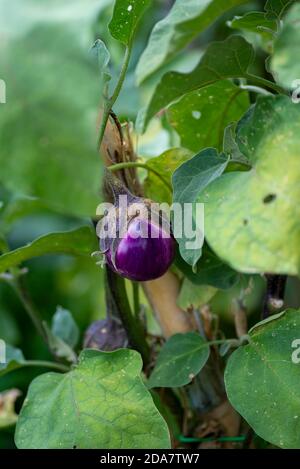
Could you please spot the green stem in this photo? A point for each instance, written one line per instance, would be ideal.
(135, 164)
(265, 83)
(46, 364)
(132, 324)
(32, 312)
(136, 299)
(111, 101)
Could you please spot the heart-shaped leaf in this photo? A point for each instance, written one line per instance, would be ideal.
(101, 403)
(262, 380)
(180, 360)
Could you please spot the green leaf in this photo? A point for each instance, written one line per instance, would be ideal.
(186, 20)
(252, 218)
(179, 361)
(228, 59)
(209, 270)
(190, 179)
(48, 129)
(255, 22)
(79, 242)
(262, 381)
(165, 164)
(283, 64)
(64, 327)
(100, 52)
(14, 359)
(90, 398)
(18, 207)
(276, 8)
(201, 116)
(126, 16)
(196, 295)
(58, 347)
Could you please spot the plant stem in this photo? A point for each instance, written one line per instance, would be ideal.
(32, 312)
(265, 83)
(135, 164)
(132, 324)
(136, 300)
(111, 101)
(46, 364)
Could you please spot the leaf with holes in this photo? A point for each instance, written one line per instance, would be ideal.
(262, 380)
(103, 402)
(252, 218)
(201, 116)
(126, 16)
(228, 59)
(179, 361)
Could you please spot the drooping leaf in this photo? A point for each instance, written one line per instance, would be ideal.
(165, 164)
(65, 327)
(262, 380)
(126, 16)
(252, 218)
(276, 8)
(13, 358)
(283, 64)
(179, 361)
(228, 59)
(48, 125)
(201, 116)
(189, 180)
(91, 400)
(209, 270)
(185, 21)
(78, 242)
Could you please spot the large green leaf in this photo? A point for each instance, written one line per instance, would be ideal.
(286, 47)
(252, 219)
(48, 126)
(165, 164)
(101, 403)
(201, 116)
(186, 20)
(228, 59)
(79, 242)
(126, 16)
(262, 380)
(179, 361)
(14, 359)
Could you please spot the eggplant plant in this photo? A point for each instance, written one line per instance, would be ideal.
(149, 224)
